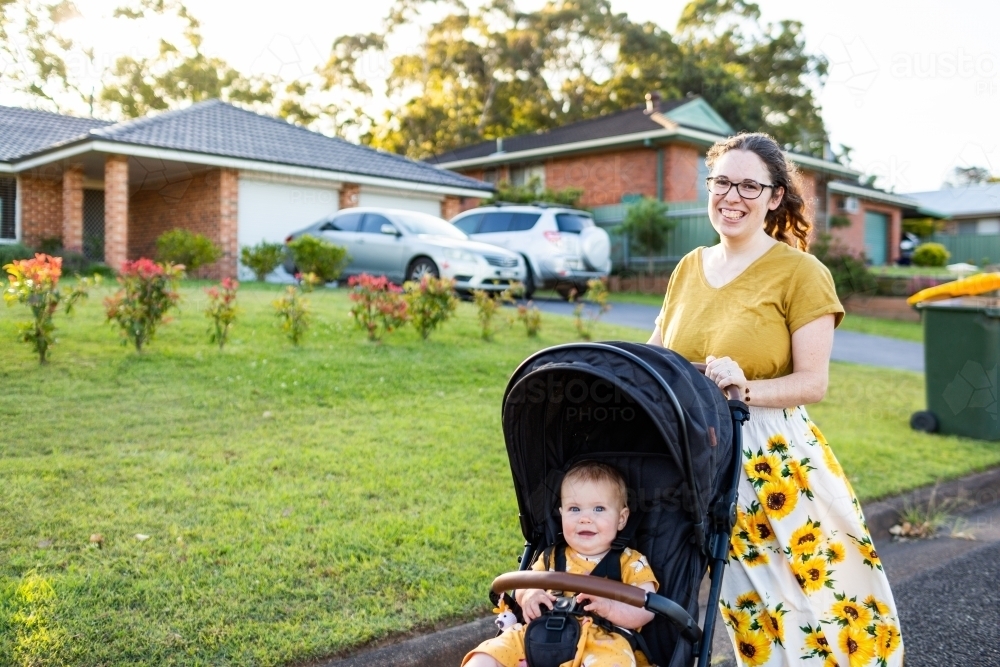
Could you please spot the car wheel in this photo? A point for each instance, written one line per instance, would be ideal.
(529, 281)
(565, 290)
(420, 267)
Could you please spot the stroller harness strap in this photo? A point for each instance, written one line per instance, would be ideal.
(551, 639)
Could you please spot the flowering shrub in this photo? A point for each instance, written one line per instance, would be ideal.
(378, 307)
(486, 308)
(35, 283)
(308, 281)
(531, 317)
(148, 291)
(597, 295)
(222, 310)
(293, 314)
(488, 304)
(431, 302)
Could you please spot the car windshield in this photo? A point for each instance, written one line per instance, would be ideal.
(421, 223)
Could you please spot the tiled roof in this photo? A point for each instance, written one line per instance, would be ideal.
(217, 128)
(26, 131)
(630, 121)
(964, 200)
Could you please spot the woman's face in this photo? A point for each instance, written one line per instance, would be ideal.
(733, 216)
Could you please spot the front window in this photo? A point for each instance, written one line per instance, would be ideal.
(421, 223)
(527, 175)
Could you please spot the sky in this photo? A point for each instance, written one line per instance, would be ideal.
(914, 86)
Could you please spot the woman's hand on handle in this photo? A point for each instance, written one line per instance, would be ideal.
(725, 372)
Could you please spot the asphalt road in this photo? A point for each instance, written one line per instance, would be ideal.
(848, 346)
(951, 614)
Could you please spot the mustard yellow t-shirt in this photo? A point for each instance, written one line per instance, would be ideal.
(750, 319)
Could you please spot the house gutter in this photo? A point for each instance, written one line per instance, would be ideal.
(874, 195)
(133, 150)
(681, 133)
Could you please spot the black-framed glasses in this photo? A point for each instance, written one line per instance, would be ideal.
(720, 185)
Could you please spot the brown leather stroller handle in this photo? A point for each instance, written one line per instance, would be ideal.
(605, 588)
(581, 583)
(731, 390)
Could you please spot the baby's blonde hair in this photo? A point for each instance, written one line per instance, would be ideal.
(594, 471)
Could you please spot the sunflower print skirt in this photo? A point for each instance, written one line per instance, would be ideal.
(804, 584)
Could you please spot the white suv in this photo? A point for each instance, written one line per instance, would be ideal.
(562, 246)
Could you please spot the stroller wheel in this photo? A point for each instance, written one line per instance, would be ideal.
(925, 421)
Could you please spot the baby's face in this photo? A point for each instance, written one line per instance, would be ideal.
(592, 515)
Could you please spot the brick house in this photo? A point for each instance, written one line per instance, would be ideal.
(659, 151)
(110, 189)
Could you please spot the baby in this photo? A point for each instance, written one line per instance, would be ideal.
(593, 509)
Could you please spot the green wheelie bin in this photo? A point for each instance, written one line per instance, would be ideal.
(961, 359)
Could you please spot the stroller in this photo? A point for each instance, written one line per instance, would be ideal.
(675, 439)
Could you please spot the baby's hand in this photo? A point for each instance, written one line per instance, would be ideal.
(533, 600)
(596, 605)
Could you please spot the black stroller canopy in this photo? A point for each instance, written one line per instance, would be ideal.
(646, 411)
(607, 400)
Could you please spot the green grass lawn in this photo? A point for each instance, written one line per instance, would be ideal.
(879, 326)
(298, 502)
(909, 271)
(637, 297)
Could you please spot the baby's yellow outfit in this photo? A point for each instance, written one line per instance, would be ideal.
(598, 647)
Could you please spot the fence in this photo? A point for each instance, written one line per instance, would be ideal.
(980, 249)
(693, 229)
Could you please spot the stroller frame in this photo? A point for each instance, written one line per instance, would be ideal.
(721, 517)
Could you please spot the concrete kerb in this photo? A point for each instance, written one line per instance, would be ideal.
(978, 489)
(437, 649)
(447, 647)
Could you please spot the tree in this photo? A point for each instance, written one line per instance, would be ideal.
(962, 176)
(758, 77)
(498, 71)
(177, 73)
(34, 53)
(647, 226)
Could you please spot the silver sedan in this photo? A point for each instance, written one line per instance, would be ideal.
(406, 245)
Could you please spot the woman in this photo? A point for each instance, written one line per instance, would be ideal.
(805, 585)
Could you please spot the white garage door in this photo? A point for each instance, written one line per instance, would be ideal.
(404, 201)
(271, 211)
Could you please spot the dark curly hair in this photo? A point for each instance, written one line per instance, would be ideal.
(787, 222)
